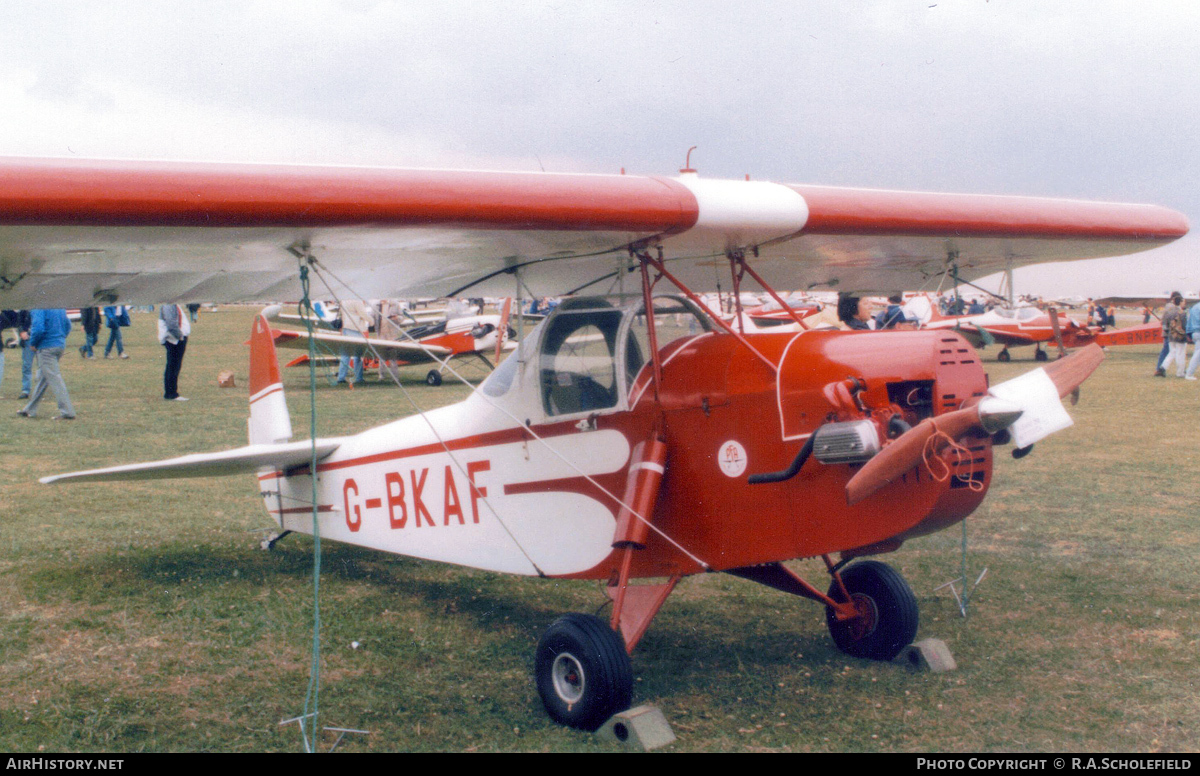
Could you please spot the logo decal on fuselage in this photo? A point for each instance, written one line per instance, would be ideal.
(732, 458)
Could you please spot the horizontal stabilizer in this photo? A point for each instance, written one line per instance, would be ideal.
(1145, 334)
(241, 460)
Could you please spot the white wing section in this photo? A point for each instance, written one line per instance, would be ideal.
(251, 458)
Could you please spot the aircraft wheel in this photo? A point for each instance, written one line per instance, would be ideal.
(1040, 355)
(1004, 356)
(582, 671)
(888, 608)
(434, 378)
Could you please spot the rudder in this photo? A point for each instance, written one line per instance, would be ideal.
(269, 419)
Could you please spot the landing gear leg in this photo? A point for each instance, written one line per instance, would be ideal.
(870, 609)
(269, 542)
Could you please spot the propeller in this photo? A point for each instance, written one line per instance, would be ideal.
(502, 329)
(987, 416)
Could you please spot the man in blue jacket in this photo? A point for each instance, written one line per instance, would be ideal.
(48, 332)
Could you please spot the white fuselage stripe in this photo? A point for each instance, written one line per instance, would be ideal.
(265, 391)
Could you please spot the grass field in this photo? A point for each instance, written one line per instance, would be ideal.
(144, 616)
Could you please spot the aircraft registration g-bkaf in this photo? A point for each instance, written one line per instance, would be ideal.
(612, 445)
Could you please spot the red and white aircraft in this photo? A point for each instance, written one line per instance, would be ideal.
(1017, 326)
(431, 342)
(614, 444)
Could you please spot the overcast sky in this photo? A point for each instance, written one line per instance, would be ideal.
(1089, 99)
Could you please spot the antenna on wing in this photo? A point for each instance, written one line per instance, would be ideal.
(687, 164)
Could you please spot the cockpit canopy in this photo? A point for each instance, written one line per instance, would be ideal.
(586, 355)
(1018, 313)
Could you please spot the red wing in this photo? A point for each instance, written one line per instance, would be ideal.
(78, 233)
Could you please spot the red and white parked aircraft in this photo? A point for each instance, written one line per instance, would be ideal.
(1013, 327)
(438, 342)
(612, 445)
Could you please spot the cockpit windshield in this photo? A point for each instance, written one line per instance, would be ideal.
(578, 357)
(588, 353)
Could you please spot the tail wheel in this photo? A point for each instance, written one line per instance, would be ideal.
(888, 616)
(434, 378)
(582, 671)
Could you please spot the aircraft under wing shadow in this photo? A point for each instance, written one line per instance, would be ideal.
(635, 443)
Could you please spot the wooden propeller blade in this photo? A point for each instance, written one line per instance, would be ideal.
(1070, 372)
(906, 452)
(502, 332)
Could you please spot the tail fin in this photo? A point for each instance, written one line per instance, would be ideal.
(269, 420)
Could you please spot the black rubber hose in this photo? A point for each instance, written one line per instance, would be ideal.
(789, 472)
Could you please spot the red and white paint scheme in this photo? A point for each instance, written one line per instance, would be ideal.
(640, 441)
(1017, 326)
(436, 341)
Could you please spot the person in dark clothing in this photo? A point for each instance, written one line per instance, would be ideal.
(855, 312)
(24, 324)
(89, 317)
(116, 316)
(893, 315)
(9, 319)
(173, 330)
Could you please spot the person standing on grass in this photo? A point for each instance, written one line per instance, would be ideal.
(1192, 328)
(356, 321)
(1175, 336)
(48, 339)
(173, 330)
(24, 323)
(116, 316)
(90, 318)
(8, 320)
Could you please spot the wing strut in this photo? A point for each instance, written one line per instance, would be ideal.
(658, 264)
(739, 257)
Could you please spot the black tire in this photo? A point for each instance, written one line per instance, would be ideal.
(889, 612)
(434, 378)
(583, 672)
(1003, 356)
(1041, 355)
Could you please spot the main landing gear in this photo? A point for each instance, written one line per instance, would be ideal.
(583, 672)
(434, 378)
(886, 608)
(582, 667)
(870, 610)
(1004, 356)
